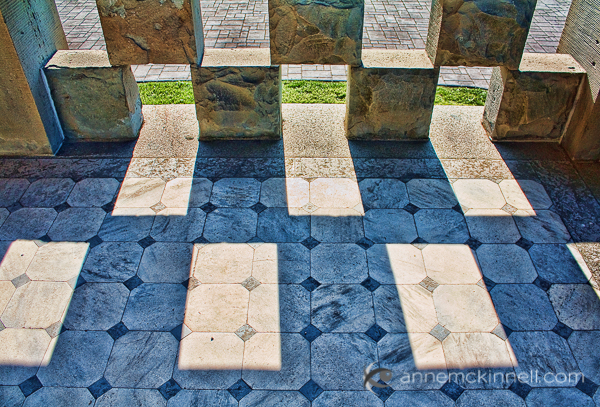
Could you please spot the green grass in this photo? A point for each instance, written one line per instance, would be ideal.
(164, 93)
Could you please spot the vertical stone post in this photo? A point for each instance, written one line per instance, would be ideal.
(30, 33)
(581, 39)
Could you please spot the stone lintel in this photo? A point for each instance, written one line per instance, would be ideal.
(95, 101)
(236, 57)
(391, 97)
(535, 102)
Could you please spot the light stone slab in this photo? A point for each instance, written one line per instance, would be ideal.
(390, 226)
(16, 257)
(93, 192)
(223, 263)
(523, 307)
(431, 193)
(478, 194)
(60, 396)
(112, 262)
(22, 347)
(279, 308)
(281, 263)
(155, 307)
(166, 263)
(576, 305)
(178, 225)
(58, 261)
(37, 304)
(476, 350)
(47, 192)
(492, 226)
(451, 264)
(525, 194)
(378, 193)
(284, 192)
(506, 263)
(276, 361)
(11, 190)
(335, 193)
(96, 306)
(77, 224)
(27, 223)
(541, 226)
(186, 193)
(331, 225)
(338, 263)
(465, 308)
(140, 192)
(235, 192)
(131, 398)
(404, 308)
(7, 289)
(234, 225)
(217, 308)
(396, 264)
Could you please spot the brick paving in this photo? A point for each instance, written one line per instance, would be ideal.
(390, 24)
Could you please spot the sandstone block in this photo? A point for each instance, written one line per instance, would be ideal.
(479, 32)
(238, 95)
(316, 31)
(535, 102)
(94, 100)
(152, 31)
(391, 96)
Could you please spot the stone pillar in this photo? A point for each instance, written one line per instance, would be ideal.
(391, 96)
(316, 31)
(535, 102)
(238, 95)
(30, 33)
(479, 32)
(581, 39)
(152, 31)
(94, 100)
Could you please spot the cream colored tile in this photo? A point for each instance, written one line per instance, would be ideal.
(224, 263)
(335, 193)
(37, 304)
(23, 347)
(284, 192)
(7, 289)
(451, 264)
(479, 194)
(396, 264)
(281, 263)
(418, 308)
(17, 258)
(217, 308)
(263, 352)
(525, 194)
(427, 351)
(186, 192)
(140, 192)
(211, 351)
(263, 312)
(58, 261)
(475, 350)
(465, 308)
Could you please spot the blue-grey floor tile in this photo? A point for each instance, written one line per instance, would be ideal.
(558, 398)
(96, 306)
(523, 307)
(476, 398)
(166, 263)
(576, 305)
(155, 307)
(342, 308)
(259, 398)
(347, 398)
(47, 192)
(338, 263)
(555, 263)
(441, 226)
(112, 262)
(171, 226)
(419, 399)
(283, 225)
(230, 225)
(217, 398)
(390, 226)
(131, 398)
(60, 397)
(377, 193)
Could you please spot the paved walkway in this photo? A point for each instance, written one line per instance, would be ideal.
(272, 274)
(391, 24)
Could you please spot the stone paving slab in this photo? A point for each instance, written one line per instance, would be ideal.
(388, 24)
(218, 309)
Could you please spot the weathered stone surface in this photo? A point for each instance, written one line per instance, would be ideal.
(152, 31)
(30, 32)
(242, 102)
(391, 98)
(316, 31)
(479, 32)
(534, 102)
(94, 100)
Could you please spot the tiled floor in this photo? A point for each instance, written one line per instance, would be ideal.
(391, 24)
(172, 272)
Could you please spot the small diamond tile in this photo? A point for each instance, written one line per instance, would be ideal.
(55, 329)
(99, 388)
(508, 208)
(133, 283)
(62, 207)
(452, 390)
(310, 243)
(429, 284)
(201, 240)
(365, 243)
(146, 242)
(500, 332)
(383, 393)
(420, 243)
(524, 243)
(439, 332)
(250, 283)
(486, 283)
(15, 207)
(310, 333)
(370, 284)
(191, 283)
(310, 284)
(311, 390)
(80, 281)
(245, 332)
(587, 387)
(376, 332)
(158, 207)
(21, 280)
(258, 207)
(239, 389)
(117, 331)
(543, 284)
(95, 241)
(521, 389)
(108, 208)
(169, 389)
(473, 243)
(412, 209)
(310, 207)
(208, 207)
(562, 330)
(30, 386)
(458, 209)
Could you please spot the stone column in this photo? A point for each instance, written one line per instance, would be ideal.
(535, 102)
(238, 95)
(581, 39)
(94, 100)
(391, 96)
(152, 31)
(30, 33)
(479, 32)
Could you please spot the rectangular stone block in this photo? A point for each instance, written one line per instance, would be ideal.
(152, 31)
(94, 100)
(316, 31)
(535, 102)
(391, 97)
(479, 32)
(238, 95)
(30, 33)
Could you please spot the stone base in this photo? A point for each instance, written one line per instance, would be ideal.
(152, 31)
(238, 95)
(391, 97)
(535, 102)
(316, 31)
(479, 32)
(94, 100)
